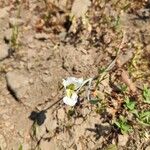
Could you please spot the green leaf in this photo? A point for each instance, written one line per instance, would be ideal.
(146, 94)
(117, 124)
(101, 70)
(126, 127)
(95, 101)
(129, 104)
(123, 125)
(127, 100)
(144, 117)
(117, 22)
(135, 112)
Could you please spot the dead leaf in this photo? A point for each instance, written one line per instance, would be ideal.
(111, 111)
(99, 94)
(126, 79)
(124, 58)
(40, 24)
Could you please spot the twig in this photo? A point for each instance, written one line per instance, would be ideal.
(53, 104)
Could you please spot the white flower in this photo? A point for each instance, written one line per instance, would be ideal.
(72, 100)
(72, 86)
(73, 82)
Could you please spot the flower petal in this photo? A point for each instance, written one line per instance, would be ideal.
(72, 80)
(71, 101)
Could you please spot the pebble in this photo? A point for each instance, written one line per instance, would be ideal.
(91, 145)
(52, 144)
(41, 36)
(78, 121)
(4, 12)
(40, 131)
(7, 35)
(50, 122)
(3, 144)
(5, 117)
(107, 39)
(4, 51)
(17, 83)
(61, 114)
(85, 111)
(148, 148)
(62, 35)
(83, 5)
(122, 139)
(124, 58)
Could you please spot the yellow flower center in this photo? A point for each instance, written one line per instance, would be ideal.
(71, 87)
(69, 92)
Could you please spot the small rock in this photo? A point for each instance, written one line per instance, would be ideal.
(62, 35)
(122, 139)
(91, 145)
(80, 130)
(106, 38)
(78, 121)
(15, 22)
(61, 114)
(67, 141)
(51, 125)
(40, 131)
(148, 48)
(148, 148)
(4, 51)
(4, 12)
(3, 144)
(41, 36)
(7, 35)
(85, 111)
(5, 117)
(146, 40)
(83, 5)
(17, 83)
(62, 4)
(144, 13)
(47, 144)
(52, 144)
